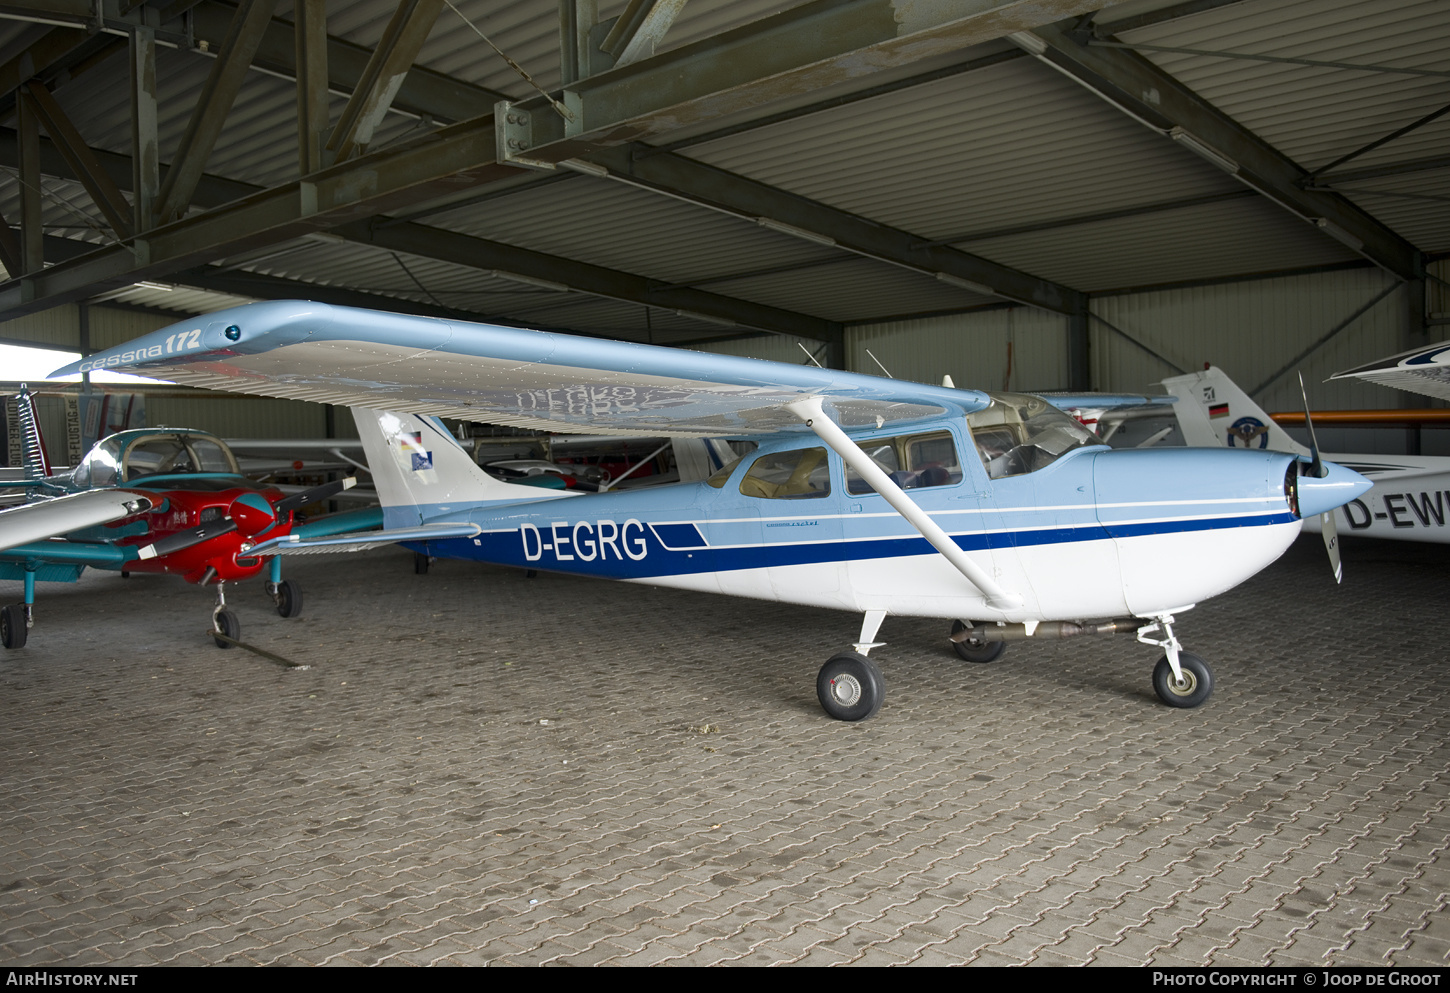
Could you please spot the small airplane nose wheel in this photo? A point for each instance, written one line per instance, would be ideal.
(850, 687)
(1195, 686)
(225, 623)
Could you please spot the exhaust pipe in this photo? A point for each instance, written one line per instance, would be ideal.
(1045, 629)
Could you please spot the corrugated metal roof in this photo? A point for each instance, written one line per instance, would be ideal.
(1216, 240)
(1009, 144)
(852, 290)
(622, 227)
(1000, 148)
(1417, 206)
(1316, 114)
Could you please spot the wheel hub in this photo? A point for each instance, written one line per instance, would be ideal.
(1184, 685)
(846, 690)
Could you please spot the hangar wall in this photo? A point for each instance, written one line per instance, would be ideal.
(1251, 329)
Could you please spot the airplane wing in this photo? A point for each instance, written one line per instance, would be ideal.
(529, 379)
(1423, 370)
(34, 522)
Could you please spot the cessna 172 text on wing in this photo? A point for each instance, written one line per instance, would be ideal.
(877, 496)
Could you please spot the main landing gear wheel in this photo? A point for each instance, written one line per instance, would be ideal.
(421, 562)
(850, 687)
(1192, 690)
(227, 624)
(289, 598)
(12, 626)
(972, 650)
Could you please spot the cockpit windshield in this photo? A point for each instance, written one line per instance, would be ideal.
(1018, 433)
(166, 454)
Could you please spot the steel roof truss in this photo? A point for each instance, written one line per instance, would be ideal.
(1125, 80)
(384, 74)
(312, 109)
(684, 178)
(639, 29)
(103, 191)
(217, 96)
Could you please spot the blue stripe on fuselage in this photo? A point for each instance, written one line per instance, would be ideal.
(634, 552)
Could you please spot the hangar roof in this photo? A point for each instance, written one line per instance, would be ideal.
(732, 167)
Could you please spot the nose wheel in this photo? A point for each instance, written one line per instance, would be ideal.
(1190, 687)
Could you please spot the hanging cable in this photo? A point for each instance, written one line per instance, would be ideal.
(563, 111)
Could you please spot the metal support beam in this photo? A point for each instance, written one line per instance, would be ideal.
(687, 179)
(312, 109)
(145, 151)
(394, 54)
(612, 284)
(429, 242)
(639, 29)
(1079, 355)
(9, 250)
(57, 50)
(78, 156)
(1324, 180)
(1150, 96)
(78, 12)
(576, 19)
(32, 233)
(423, 92)
(793, 52)
(217, 96)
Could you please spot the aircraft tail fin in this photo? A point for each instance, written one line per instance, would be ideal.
(36, 459)
(423, 474)
(1213, 412)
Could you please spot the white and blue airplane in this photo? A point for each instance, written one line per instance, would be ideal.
(881, 497)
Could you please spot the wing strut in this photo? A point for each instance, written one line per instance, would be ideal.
(815, 417)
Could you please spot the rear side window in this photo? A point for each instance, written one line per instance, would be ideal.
(912, 461)
(802, 474)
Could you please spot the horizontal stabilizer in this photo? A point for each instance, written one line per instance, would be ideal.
(359, 541)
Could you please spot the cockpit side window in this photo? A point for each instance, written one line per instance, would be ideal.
(210, 456)
(102, 467)
(912, 461)
(1017, 434)
(802, 474)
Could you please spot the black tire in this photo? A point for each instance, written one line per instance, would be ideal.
(289, 598)
(976, 651)
(421, 561)
(1196, 687)
(230, 626)
(12, 626)
(850, 687)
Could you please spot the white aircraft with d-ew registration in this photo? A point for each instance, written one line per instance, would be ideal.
(1407, 501)
(994, 510)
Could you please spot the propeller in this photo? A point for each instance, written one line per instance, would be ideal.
(249, 513)
(1327, 526)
